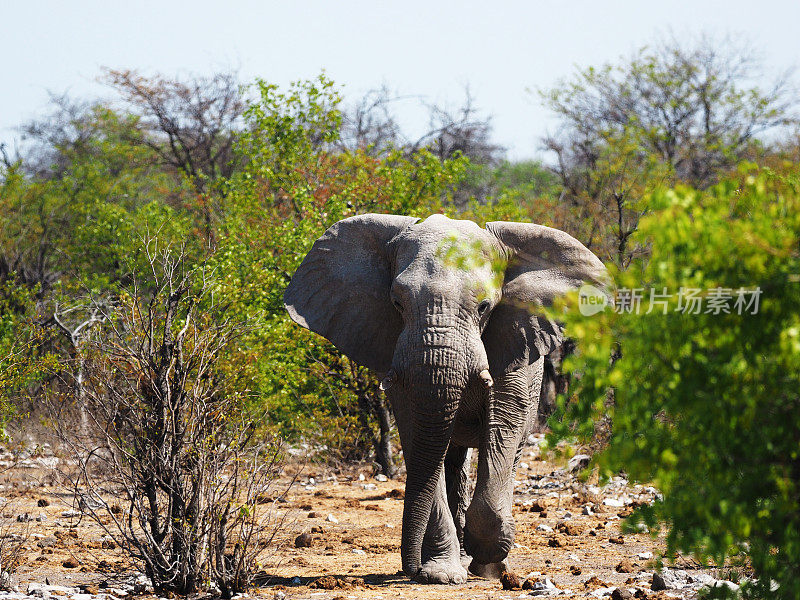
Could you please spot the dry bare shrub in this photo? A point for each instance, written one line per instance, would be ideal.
(170, 441)
(13, 535)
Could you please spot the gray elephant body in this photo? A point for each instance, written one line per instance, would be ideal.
(463, 358)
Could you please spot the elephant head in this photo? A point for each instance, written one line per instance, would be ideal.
(376, 286)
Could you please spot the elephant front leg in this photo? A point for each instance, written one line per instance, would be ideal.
(441, 550)
(489, 531)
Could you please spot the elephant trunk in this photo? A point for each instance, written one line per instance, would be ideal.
(437, 375)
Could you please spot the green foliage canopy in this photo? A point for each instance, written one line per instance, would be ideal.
(706, 404)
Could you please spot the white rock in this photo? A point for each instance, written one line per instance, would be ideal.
(358, 551)
(381, 477)
(587, 510)
(615, 502)
(312, 481)
(389, 525)
(544, 528)
(722, 583)
(71, 513)
(369, 487)
(579, 461)
(524, 465)
(545, 588)
(361, 477)
(331, 519)
(644, 555)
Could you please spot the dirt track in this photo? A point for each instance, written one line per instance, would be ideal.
(354, 526)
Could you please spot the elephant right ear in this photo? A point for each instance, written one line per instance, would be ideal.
(341, 290)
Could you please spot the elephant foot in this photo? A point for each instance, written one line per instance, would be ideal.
(442, 570)
(490, 570)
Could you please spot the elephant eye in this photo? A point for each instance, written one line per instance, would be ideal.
(483, 307)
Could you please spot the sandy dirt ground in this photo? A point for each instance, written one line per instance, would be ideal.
(567, 532)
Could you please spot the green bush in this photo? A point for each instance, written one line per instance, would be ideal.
(706, 404)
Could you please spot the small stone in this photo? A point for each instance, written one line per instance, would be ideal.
(528, 583)
(537, 506)
(70, 563)
(304, 540)
(621, 594)
(279, 595)
(555, 542)
(524, 465)
(544, 528)
(594, 582)
(510, 581)
(587, 510)
(624, 566)
(358, 551)
(571, 528)
(575, 570)
(331, 519)
(361, 477)
(613, 502)
(658, 584)
(42, 502)
(381, 477)
(617, 540)
(369, 487)
(644, 555)
(313, 515)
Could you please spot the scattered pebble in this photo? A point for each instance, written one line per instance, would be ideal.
(624, 566)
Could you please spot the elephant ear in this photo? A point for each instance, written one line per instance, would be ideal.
(543, 263)
(341, 290)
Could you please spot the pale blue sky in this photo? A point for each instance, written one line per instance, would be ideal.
(433, 49)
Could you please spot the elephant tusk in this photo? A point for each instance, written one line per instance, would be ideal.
(486, 378)
(388, 381)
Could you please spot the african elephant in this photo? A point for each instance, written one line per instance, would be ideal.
(462, 355)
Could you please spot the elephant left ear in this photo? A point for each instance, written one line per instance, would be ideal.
(543, 264)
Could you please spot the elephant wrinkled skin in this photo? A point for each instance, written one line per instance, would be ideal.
(462, 358)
